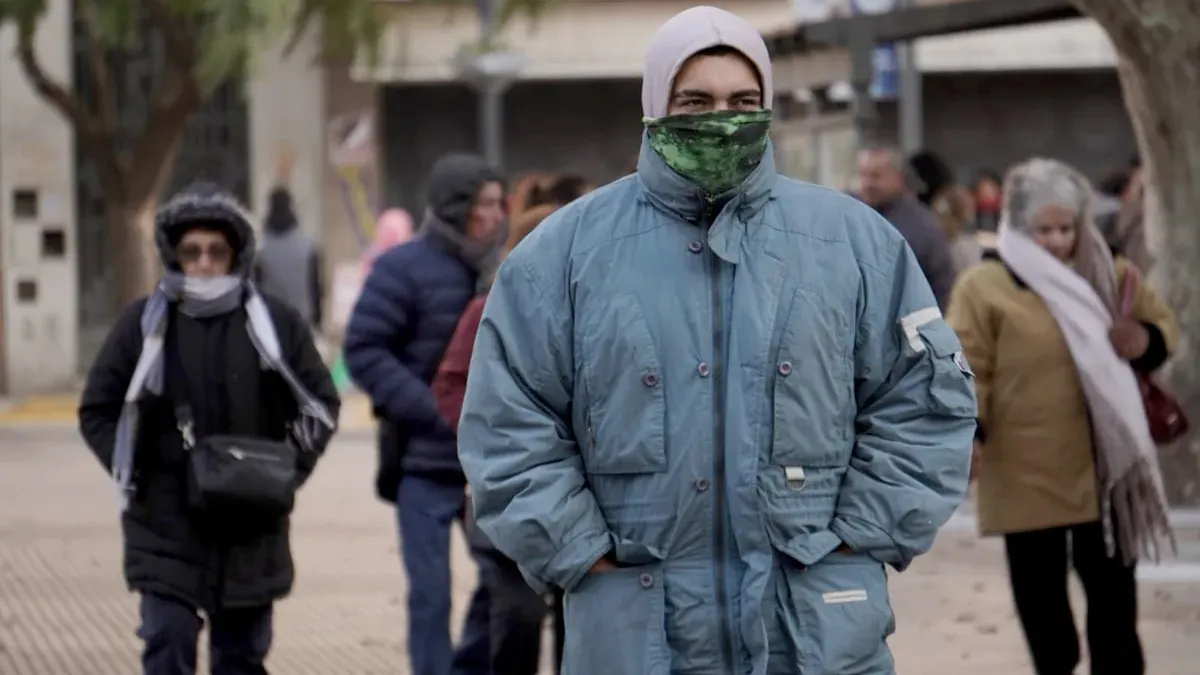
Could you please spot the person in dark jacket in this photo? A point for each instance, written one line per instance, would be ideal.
(882, 174)
(288, 266)
(934, 174)
(517, 611)
(246, 366)
(397, 334)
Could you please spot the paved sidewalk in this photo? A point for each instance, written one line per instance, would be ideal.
(64, 610)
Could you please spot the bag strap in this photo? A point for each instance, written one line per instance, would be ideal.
(176, 383)
(1129, 286)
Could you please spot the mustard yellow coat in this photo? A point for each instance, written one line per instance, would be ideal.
(1037, 469)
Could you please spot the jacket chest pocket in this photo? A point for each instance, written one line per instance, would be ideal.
(812, 403)
(625, 404)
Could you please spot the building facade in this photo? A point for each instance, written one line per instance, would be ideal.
(55, 270)
(989, 99)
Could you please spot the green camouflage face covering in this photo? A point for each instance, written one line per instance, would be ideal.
(715, 150)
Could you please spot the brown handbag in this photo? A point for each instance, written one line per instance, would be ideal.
(1168, 422)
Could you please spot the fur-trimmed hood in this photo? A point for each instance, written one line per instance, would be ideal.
(207, 206)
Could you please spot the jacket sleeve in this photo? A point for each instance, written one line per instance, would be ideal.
(937, 261)
(380, 325)
(309, 368)
(916, 417)
(450, 385)
(977, 331)
(104, 393)
(515, 439)
(1154, 313)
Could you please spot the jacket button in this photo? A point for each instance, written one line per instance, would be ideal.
(702, 485)
(703, 369)
(646, 581)
(695, 246)
(785, 368)
(650, 380)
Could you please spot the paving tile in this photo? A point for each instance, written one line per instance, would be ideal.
(64, 609)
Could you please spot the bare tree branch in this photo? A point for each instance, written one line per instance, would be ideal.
(89, 132)
(55, 93)
(102, 82)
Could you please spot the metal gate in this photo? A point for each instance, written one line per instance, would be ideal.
(216, 148)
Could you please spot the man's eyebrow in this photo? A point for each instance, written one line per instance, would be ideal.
(700, 93)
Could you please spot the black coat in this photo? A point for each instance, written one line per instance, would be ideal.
(169, 550)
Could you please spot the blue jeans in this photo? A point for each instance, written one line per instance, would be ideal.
(239, 639)
(426, 511)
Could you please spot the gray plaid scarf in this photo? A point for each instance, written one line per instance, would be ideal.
(203, 298)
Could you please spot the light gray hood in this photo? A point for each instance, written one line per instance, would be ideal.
(691, 31)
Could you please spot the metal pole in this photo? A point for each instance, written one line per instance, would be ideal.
(491, 122)
(490, 92)
(912, 110)
(862, 69)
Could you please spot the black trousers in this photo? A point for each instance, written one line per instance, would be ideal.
(517, 616)
(239, 639)
(560, 632)
(1038, 564)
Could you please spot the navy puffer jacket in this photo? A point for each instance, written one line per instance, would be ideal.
(401, 325)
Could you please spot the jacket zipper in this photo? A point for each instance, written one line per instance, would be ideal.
(239, 454)
(719, 497)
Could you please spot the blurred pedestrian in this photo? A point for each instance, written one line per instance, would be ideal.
(1067, 471)
(933, 174)
(393, 228)
(955, 211)
(1129, 234)
(209, 405)
(517, 611)
(883, 184)
(529, 191)
(289, 263)
(987, 193)
(566, 188)
(399, 329)
(709, 402)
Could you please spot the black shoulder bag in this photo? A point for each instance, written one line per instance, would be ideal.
(239, 476)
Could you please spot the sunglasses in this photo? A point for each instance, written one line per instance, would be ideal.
(217, 253)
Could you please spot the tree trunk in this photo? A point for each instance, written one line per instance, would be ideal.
(133, 199)
(1164, 102)
(131, 246)
(1159, 47)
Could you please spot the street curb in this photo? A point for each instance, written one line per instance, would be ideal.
(45, 409)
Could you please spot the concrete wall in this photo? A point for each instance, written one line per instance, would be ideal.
(287, 103)
(37, 218)
(577, 39)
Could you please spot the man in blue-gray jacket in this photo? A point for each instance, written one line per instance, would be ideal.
(711, 403)
(400, 327)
